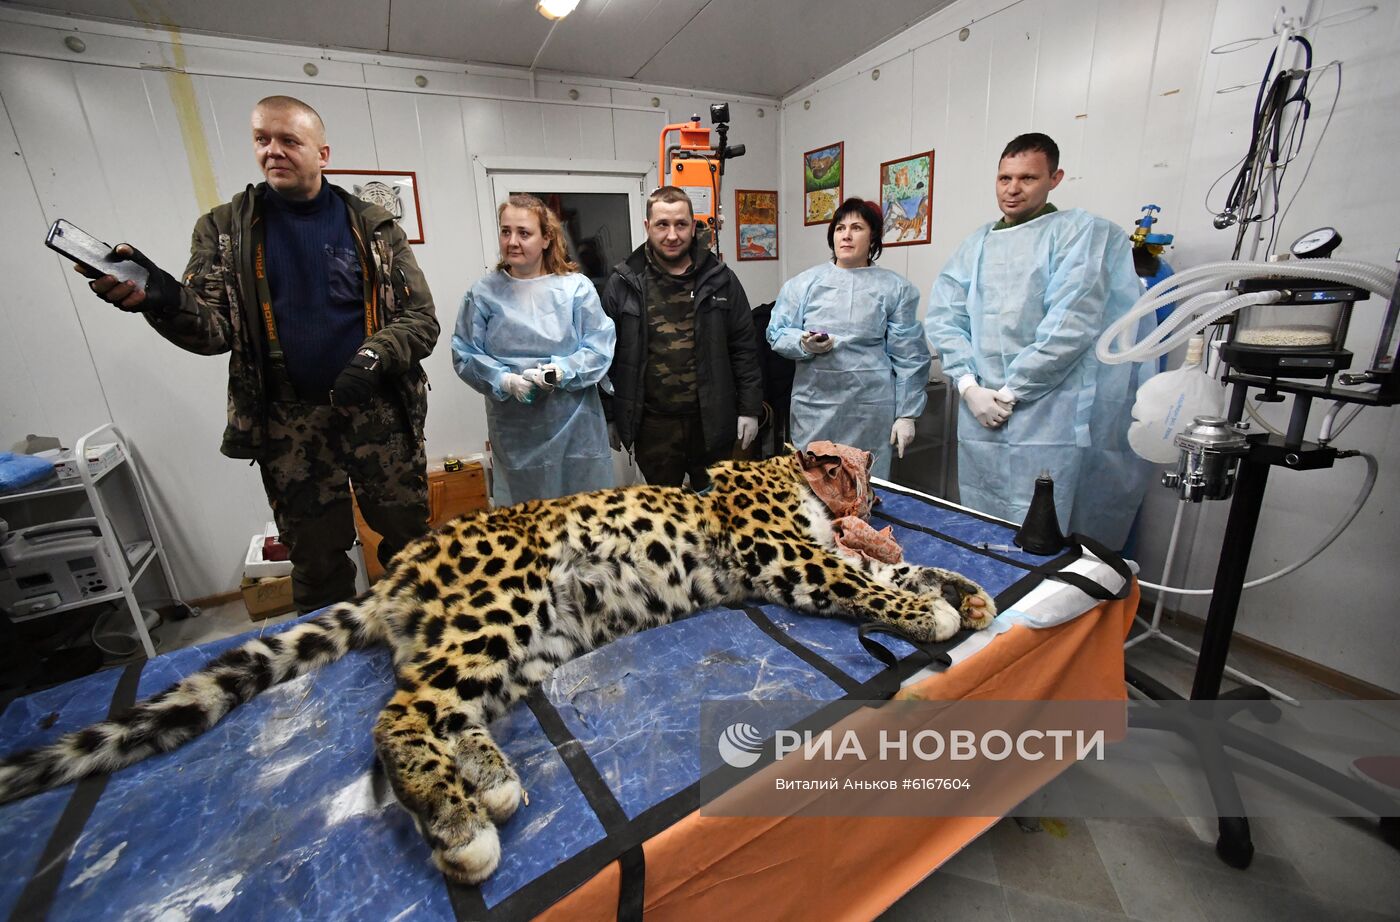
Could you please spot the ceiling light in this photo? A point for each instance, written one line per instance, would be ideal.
(556, 9)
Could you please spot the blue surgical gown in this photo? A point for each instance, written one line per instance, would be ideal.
(879, 369)
(1022, 307)
(558, 444)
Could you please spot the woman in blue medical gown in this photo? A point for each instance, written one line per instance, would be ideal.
(852, 328)
(533, 338)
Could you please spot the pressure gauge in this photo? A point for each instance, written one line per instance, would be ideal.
(1317, 243)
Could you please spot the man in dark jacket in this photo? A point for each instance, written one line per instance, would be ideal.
(326, 317)
(685, 370)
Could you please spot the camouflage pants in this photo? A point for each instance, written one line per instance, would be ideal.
(315, 454)
(670, 447)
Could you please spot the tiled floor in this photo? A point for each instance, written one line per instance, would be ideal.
(1150, 869)
(213, 623)
(1166, 869)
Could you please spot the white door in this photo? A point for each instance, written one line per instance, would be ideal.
(601, 205)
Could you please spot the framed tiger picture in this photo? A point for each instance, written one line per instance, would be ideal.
(906, 200)
(395, 192)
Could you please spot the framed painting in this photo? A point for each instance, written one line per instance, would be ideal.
(906, 189)
(757, 225)
(396, 192)
(823, 172)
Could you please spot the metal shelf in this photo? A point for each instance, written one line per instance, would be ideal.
(71, 486)
(150, 549)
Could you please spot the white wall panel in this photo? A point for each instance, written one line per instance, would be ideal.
(403, 77)
(577, 132)
(955, 176)
(49, 384)
(425, 134)
(483, 126)
(1063, 71)
(1107, 172)
(524, 127)
(1169, 124)
(1014, 49)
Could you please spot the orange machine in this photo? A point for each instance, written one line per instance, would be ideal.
(696, 167)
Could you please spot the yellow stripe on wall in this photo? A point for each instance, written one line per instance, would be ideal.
(182, 95)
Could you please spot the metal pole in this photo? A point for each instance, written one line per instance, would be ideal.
(1229, 577)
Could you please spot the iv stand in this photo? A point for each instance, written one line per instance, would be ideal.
(1212, 735)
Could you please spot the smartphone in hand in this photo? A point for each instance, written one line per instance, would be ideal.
(92, 254)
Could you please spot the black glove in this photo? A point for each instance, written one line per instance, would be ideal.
(358, 382)
(162, 288)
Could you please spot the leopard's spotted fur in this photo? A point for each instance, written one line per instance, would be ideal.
(480, 611)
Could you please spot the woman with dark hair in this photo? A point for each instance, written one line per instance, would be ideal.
(853, 329)
(533, 338)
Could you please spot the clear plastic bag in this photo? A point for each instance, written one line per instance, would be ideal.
(1168, 402)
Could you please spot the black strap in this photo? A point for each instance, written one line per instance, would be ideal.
(817, 662)
(887, 683)
(1084, 584)
(264, 290)
(468, 905)
(36, 899)
(632, 861)
(1051, 569)
(1011, 594)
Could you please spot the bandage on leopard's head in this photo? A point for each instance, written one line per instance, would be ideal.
(839, 475)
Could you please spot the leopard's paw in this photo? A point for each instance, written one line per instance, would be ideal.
(975, 606)
(977, 609)
(940, 623)
(465, 847)
(502, 801)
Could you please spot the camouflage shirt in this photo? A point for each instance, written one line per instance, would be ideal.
(670, 387)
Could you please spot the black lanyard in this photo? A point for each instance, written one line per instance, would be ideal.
(274, 345)
(264, 291)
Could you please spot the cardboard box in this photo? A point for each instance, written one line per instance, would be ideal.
(267, 597)
(100, 458)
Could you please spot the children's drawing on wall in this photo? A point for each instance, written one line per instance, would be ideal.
(822, 174)
(395, 192)
(906, 187)
(758, 223)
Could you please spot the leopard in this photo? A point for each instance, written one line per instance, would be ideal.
(480, 611)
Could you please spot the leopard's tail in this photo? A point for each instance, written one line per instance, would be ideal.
(196, 703)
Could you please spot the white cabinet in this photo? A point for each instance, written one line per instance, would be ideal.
(86, 541)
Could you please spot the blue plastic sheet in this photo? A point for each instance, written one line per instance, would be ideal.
(276, 813)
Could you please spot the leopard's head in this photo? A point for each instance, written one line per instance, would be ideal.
(839, 475)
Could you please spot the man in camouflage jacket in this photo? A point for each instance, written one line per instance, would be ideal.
(325, 343)
(685, 373)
